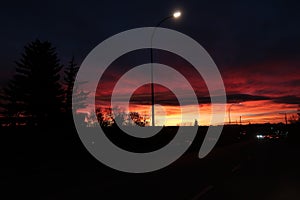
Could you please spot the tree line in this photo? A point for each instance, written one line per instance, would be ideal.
(40, 93)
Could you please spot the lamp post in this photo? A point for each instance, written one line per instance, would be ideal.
(229, 108)
(176, 14)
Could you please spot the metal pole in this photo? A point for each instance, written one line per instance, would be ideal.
(151, 61)
(152, 86)
(229, 113)
(229, 108)
(285, 119)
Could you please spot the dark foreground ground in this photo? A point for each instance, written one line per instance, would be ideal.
(42, 166)
(272, 172)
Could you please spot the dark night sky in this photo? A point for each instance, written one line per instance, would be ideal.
(254, 43)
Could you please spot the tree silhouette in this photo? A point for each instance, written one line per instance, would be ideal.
(69, 79)
(118, 116)
(79, 97)
(104, 116)
(108, 117)
(35, 92)
(298, 112)
(196, 123)
(12, 106)
(295, 118)
(137, 119)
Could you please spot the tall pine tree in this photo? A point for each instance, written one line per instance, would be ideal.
(35, 91)
(74, 99)
(69, 79)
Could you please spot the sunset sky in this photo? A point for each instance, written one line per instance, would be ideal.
(255, 44)
(263, 91)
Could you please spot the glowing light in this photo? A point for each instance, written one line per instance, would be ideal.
(177, 14)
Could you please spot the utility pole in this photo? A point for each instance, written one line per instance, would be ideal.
(285, 117)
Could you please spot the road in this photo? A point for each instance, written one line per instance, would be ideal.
(244, 170)
(272, 172)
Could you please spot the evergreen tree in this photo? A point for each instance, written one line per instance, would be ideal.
(35, 91)
(12, 106)
(79, 97)
(69, 78)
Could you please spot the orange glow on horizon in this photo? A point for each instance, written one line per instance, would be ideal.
(254, 112)
(257, 81)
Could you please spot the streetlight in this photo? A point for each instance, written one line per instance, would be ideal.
(176, 14)
(230, 109)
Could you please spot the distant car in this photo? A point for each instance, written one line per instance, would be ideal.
(271, 134)
(267, 136)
